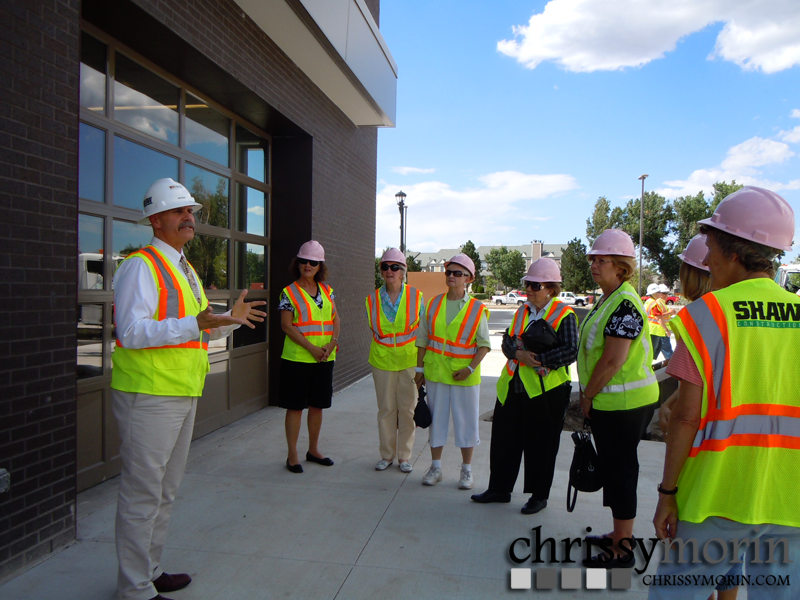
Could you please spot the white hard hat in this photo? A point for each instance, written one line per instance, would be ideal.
(543, 270)
(652, 289)
(165, 194)
(394, 255)
(312, 250)
(613, 242)
(663, 288)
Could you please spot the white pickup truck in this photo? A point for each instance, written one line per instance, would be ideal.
(510, 298)
(570, 298)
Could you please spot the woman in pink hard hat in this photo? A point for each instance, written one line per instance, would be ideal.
(451, 343)
(618, 388)
(532, 394)
(311, 324)
(394, 312)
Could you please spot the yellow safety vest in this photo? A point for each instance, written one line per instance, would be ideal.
(634, 385)
(175, 370)
(315, 323)
(654, 326)
(533, 385)
(392, 347)
(452, 347)
(745, 341)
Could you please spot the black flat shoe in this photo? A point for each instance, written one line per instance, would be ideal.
(533, 506)
(325, 462)
(602, 561)
(298, 468)
(491, 496)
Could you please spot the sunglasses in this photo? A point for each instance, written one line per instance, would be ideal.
(455, 273)
(388, 267)
(534, 285)
(305, 261)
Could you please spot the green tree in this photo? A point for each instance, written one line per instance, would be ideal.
(575, 273)
(414, 266)
(723, 189)
(209, 255)
(688, 211)
(603, 217)
(470, 250)
(507, 268)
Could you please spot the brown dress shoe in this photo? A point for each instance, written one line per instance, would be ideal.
(170, 583)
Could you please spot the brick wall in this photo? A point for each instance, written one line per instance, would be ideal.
(38, 263)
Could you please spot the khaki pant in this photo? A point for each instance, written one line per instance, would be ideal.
(397, 397)
(156, 432)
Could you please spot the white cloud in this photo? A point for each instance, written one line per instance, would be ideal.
(795, 113)
(740, 165)
(256, 210)
(793, 136)
(407, 170)
(597, 35)
(442, 217)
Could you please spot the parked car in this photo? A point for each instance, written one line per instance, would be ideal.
(672, 300)
(510, 298)
(574, 299)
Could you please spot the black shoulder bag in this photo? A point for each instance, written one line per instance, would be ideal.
(422, 414)
(584, 476)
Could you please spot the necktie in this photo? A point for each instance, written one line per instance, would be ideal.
(190, 278)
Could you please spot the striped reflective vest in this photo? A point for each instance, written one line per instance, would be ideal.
(743, 464)
(315, 323)
(634, 385)
(554, 314)
(178, 370)
(392, 347)
(452, 347)
(655, 308)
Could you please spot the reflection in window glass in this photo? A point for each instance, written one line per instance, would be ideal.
(251, 272)
(90, 252)
(209, 257)
(251, 154)
(93, 74)
(90, 340)
(244, 336)
(252, 209)
(145, 101)
(135, 169)
(129, 237)
(210, 190)
(92, 163)
(207, 130)
(219, 307)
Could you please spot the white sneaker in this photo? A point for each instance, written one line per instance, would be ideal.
(383, 465)
(465, 483)
(406, 467)
(432, 476)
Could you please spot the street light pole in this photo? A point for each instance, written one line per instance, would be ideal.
(641, 231)
(401, 204)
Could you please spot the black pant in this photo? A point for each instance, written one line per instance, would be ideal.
(617, 434)
(531, 426)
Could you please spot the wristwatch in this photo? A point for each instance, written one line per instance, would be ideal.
(661, 490)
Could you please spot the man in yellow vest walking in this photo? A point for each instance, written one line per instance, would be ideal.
(163, 326)
(729, 491)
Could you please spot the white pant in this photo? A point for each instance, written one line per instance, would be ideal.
(464, 402)
(397, 396)
(156, 432)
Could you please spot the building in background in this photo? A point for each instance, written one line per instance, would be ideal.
(434, 261)
(267, 110)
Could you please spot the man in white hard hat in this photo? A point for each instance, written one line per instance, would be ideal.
(163, 326)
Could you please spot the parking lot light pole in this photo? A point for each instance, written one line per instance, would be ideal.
(641, 231)
(401, 204)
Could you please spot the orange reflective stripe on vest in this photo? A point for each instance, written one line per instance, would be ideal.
(401, 338)
(558, 310)
(305, 323)
(464, 345)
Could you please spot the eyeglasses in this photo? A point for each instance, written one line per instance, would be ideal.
(534, 285)
(305, 261)
(455, 273)
(600, 261)
(388, 267)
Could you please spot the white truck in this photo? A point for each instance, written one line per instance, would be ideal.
(788, 277)
(510, 298)
(570, 298)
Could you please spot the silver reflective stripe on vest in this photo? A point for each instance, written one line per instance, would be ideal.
(173, 310)
(712, 340)
(204, 337)
(632, 385)
(471, 318)
(305, 317)
(399, 338)
(748, 424)
(432, 311)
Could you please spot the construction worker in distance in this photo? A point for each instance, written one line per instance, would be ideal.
(731, 467)
(163, 326)
(657, 315)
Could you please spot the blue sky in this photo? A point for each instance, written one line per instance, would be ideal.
(513, 117)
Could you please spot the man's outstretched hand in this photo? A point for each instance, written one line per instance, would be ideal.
(241, 314)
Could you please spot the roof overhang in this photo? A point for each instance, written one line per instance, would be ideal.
(338, 45)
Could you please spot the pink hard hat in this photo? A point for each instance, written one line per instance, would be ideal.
(394, 255)
(464, 261)
(757, 215)
(312, 250)
(695, 253)
(544, 270)
(613, 242)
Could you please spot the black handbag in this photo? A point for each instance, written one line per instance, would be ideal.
(539, 336)
(422, 414)
(584, 474)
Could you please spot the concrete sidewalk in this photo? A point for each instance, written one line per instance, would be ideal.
(244, 527)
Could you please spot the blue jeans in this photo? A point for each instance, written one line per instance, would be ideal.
(712, 565)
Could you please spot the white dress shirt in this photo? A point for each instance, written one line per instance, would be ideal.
(136, 301)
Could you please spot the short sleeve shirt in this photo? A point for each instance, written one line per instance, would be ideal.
(285, 304)
(625, 322)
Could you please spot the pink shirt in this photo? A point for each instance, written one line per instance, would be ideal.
(682, 366)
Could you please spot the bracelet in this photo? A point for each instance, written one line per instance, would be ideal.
(335, 339)
(419, 369)
(661, 490)
(471, 370)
